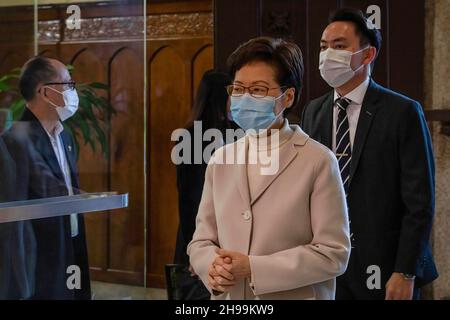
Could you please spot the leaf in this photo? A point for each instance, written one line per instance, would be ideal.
(4, 87)
(70, 68)
(80, 123)
(17, 108)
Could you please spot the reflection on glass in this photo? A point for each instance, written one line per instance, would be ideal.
(117, 53)
(72, 121)
(17, 240)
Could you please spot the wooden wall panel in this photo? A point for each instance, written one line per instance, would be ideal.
(171, 93)
(12, 58)
(93, 167)
(168, 104)
(176, 62)
(203, 60)
(407, 47)
(115, 239)
(126, 226)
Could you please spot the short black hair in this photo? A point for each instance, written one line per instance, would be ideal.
(368, 36)
(286, 57)
(36, 71)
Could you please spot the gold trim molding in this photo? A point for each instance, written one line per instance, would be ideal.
(162, 26)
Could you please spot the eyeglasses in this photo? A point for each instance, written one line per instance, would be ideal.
(256, 91)
(70, 84)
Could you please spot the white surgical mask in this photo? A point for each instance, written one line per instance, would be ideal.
(335, 66)
(70, 107)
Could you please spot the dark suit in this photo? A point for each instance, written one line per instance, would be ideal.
(39, 176)
(391, 191)
(17, 242)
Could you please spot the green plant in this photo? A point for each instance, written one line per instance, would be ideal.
(89, 125)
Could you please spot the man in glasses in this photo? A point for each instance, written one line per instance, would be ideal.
(51, 98)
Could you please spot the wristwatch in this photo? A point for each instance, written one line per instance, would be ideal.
(408, 276)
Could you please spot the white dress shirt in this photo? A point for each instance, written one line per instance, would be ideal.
(58, 148)
(353, 110)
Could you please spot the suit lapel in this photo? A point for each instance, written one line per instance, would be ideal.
(368, 110)
(42, 143)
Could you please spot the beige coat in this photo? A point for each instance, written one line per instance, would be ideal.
(295, 231)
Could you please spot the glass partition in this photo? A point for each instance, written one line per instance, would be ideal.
(73, 193)
(90, 95)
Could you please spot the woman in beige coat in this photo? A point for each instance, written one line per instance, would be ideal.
(272, 222)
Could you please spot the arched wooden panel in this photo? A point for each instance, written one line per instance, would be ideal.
(48, 51)
(126, 245)
(203, 61)
(169, 110)
(92, 167)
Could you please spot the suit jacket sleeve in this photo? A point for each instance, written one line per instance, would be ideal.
(303, 120)
(7, 173)
(417, 189)
(17, 241)
(201, 249)
(327, 255)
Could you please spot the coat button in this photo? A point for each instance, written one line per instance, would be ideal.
(246, 215)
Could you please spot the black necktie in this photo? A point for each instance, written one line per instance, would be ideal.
(343, 147)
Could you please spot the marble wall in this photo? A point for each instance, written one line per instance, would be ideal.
(437, 96)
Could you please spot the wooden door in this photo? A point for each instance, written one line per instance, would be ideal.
(177, 58)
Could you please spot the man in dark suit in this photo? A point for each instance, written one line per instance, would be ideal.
(386, 160)
(31, 179)
(39, 138)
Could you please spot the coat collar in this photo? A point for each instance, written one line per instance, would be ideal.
(299, 138)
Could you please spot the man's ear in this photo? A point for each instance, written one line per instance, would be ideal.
(43, 93)
(371, 55)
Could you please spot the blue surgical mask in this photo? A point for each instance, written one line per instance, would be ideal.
(254, 113)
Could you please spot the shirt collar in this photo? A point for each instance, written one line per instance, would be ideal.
(357, 94)
(57, 131)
